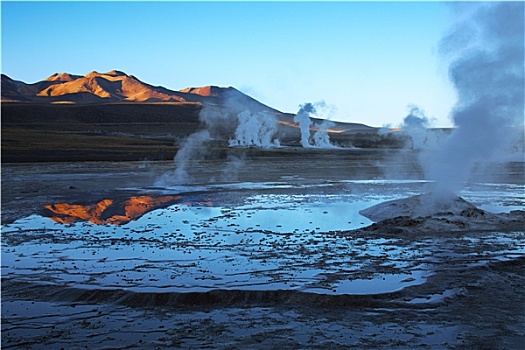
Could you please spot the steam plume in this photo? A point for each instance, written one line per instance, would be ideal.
(231, 170)
(321, 139)
(193, 148)
(422, 139)
(233, 120)
(416, 125)
(255, 130)
(487, 70)
(303, 119)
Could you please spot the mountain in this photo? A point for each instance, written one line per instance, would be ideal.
(203, 91)
(112, 86)
(116, 86)
(62, 77)
(14, 90)
(115, 116)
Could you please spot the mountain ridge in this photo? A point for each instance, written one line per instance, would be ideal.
(114, 86)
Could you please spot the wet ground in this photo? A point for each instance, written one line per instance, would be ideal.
(273, 257)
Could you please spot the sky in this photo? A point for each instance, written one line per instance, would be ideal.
(369, 61)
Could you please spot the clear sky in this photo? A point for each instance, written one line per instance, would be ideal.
(369, 60)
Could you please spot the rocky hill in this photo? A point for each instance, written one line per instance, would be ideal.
(112, 87)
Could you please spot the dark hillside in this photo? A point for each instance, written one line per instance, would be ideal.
(49, 132)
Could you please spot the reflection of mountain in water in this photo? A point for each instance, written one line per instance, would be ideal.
(108, 211)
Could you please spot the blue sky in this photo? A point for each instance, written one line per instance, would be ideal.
(369, 60)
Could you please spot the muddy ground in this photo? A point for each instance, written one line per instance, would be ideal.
(461, 289)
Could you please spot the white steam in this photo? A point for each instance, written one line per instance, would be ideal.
(193, 149)
(303, 119)
(416, 125)
(487, 70)
(231, 170)
(233, 121)
(321, 138)
(255, 130)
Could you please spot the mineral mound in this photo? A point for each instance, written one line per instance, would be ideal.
(428, 213)
(418, 206)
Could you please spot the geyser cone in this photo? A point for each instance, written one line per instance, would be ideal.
(418, 206)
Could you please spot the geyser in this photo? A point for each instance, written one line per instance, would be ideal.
(321, 138)
(255, 130)
(487, 70)
(303, 119)
(416, 125)
(236, 120)
(486, 54)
